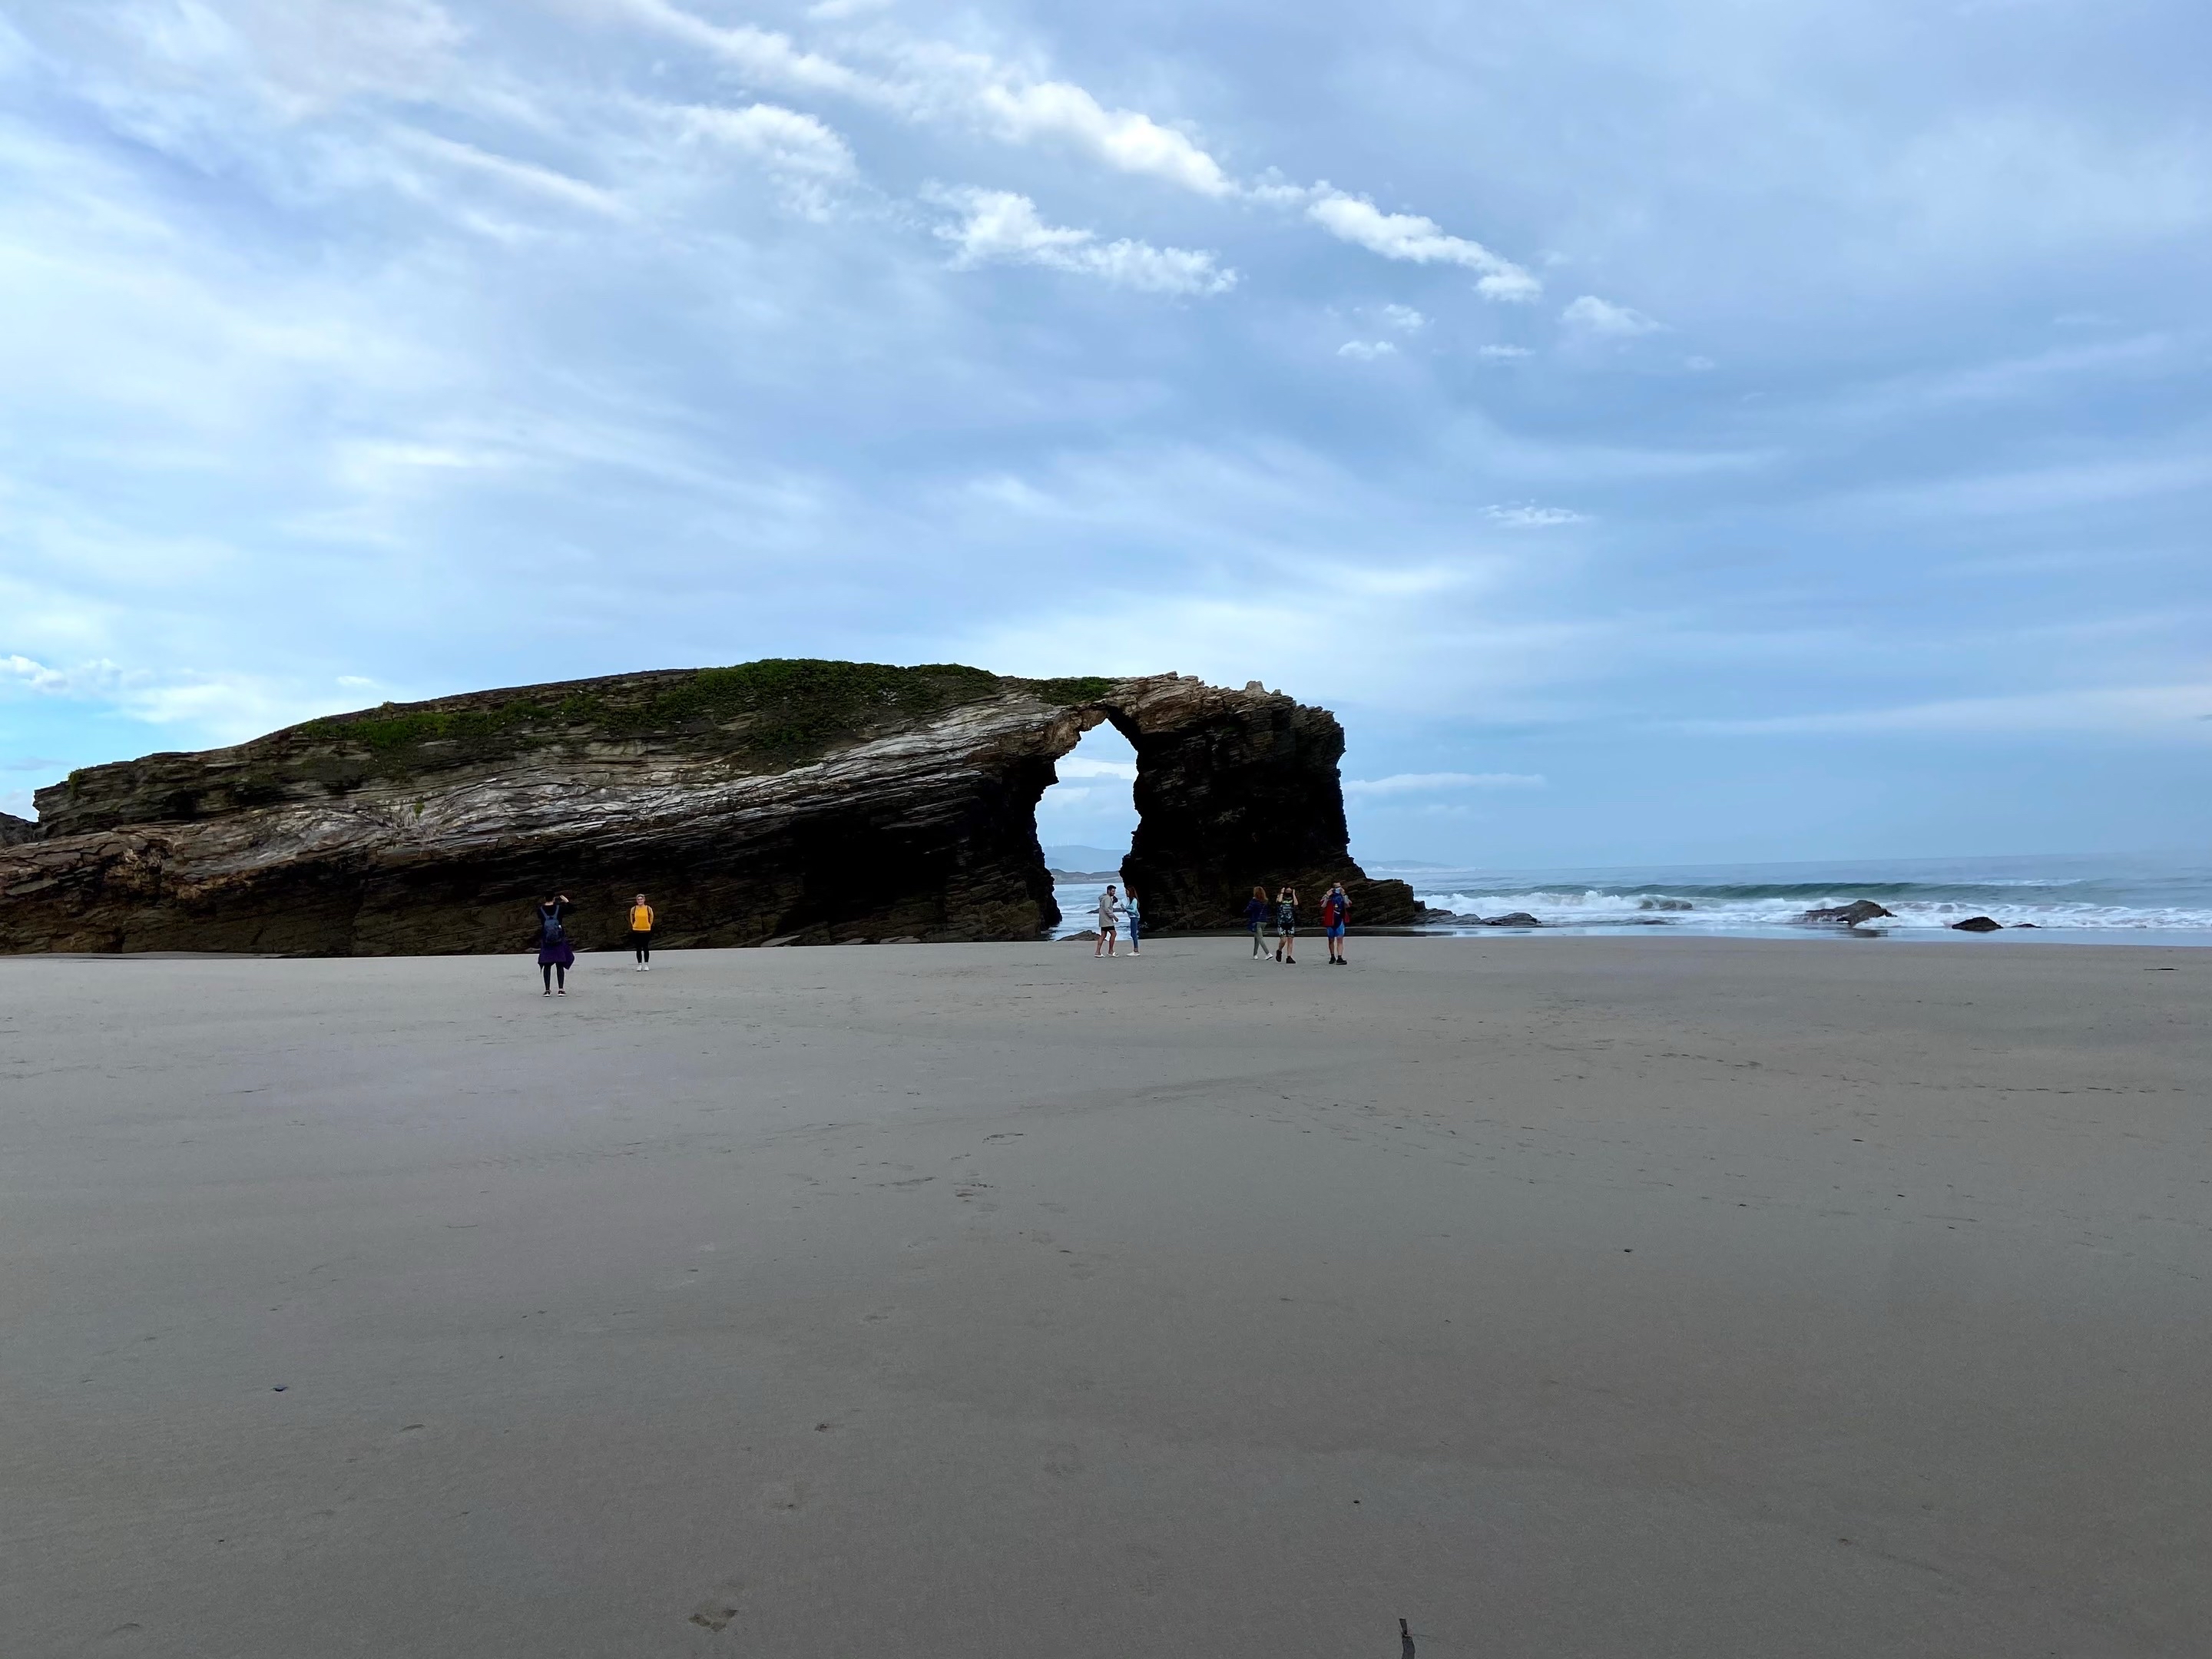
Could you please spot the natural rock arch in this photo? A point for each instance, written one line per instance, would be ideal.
(779, 801)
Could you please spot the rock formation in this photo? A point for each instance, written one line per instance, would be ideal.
(778, 801)
(14, 831)
(1978, 925)
(1858, 911)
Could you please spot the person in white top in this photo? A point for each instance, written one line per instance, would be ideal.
(1109, 915)
(1131, 919)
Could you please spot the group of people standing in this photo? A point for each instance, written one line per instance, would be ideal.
(1118, 911)
(1115, 909)
(557, 955)
(1335, 917)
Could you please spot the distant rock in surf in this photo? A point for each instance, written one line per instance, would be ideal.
(1512, 918)
(1976, 925)
(1664, 905)
(1856, 912)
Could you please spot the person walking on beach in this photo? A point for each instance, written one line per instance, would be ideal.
(1336, 912)
(1110, 912)
(555, 954)
(1130, 917)
(1255, 918)
(1287, 927)
(640, 933)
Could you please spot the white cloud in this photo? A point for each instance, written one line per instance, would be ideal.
(525, 176)
(1367, 351)
(1527, 515)
(999, 227)
(783, 138)
(808, 157)
(2184, 711)
(1699, 365)
(1404, 319)
(768, 54)
(1430, 783)
(1123, 139)
(91, 680)
(233, 707)
(1082, 766)
(1408, 236)
(1503, 352)
(1593, 316)
(931, 81)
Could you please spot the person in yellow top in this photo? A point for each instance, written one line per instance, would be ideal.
(640, 932)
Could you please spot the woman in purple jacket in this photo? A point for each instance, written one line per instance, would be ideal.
(555, 954)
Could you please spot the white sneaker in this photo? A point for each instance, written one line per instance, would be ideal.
(645, 966)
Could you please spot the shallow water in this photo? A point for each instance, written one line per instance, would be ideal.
(2143, 900)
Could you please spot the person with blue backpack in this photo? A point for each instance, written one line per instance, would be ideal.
(555, 954)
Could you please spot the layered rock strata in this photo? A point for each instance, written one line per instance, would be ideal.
(808, 802)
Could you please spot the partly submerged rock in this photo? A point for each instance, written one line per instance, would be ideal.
(1663, 904)
(777, 802)
(1978, 925)
(1511, 919)
(1856, 912)
(14, 831)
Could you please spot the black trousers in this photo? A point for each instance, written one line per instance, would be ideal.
(642, 943)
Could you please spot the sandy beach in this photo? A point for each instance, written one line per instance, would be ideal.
(1564, 1297)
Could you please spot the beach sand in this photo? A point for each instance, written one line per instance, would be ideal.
(1564, 1297)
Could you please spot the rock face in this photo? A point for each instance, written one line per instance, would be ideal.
(1978, 925)
(1235, 790)
(803, 802)
(14, 831)
(1858, 911)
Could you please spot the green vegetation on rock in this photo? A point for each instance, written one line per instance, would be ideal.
(779, 712)
(1073, 690)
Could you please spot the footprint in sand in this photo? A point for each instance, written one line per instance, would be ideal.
(715, 1613)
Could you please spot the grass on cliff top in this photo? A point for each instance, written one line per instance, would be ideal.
(782, 710)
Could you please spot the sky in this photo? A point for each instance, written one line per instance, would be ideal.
(1696, 430)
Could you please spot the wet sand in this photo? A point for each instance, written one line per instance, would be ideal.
(1567, 1297)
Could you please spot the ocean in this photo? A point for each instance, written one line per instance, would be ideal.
(2141, 900)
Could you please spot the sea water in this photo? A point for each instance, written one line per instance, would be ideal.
(2145, 899)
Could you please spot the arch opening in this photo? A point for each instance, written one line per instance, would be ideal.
(1085, 821)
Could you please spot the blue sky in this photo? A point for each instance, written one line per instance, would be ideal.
(1663, 431)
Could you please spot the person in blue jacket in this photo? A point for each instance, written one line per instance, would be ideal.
(1255, 918)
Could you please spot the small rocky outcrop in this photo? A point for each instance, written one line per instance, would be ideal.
(1978, 925)
(14, 831)
(782, 801)
(1469, 919)
(1854, 915)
